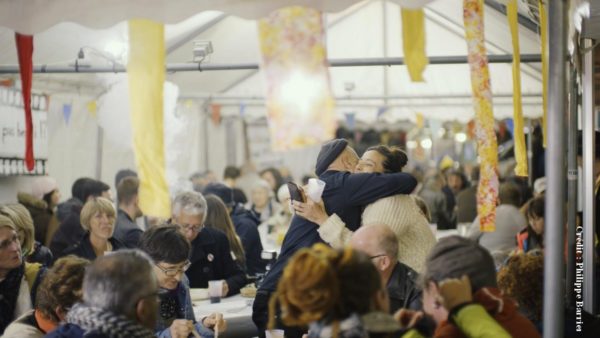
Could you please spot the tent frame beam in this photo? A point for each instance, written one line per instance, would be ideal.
(198, 67)
(359, 98)
(523, 20)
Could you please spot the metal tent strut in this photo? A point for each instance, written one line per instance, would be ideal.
(553, 314)
(198, 67)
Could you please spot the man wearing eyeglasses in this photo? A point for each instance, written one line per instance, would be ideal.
(211, 254)
(170, 251)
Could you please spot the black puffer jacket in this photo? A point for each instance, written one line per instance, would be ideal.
(246, 226)
(70, 231)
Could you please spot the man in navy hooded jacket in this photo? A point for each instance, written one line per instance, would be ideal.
(346, 195)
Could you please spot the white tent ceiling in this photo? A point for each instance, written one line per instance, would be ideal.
(363, 29)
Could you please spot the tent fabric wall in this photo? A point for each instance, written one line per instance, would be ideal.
(354, 30)
(351, 33)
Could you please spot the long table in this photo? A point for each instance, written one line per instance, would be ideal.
(236, 310)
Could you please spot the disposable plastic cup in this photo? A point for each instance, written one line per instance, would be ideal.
(215, 290)
(315, 189)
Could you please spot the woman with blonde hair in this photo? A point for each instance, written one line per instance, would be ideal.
(337, 293)
(18, 279)
(98, 219)
(60, 289)
(33, 251)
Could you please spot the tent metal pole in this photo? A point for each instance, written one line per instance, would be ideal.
(553, 316)
(572, 175)
(195, 67)
(204, 108)
(99, 152)
(529, 153)
(523, 20)
(357, 98)
(588, 123)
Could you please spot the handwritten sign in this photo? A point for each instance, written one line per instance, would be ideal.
(12, 124)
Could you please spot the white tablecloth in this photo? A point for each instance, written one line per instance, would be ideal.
(231, 307)
(445, 233)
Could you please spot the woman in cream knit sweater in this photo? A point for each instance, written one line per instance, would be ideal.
(399, 212)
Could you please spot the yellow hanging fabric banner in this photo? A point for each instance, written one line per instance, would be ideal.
(487, 191)
(413, 42)
(518, 134)
(544, 38)
(146, 73)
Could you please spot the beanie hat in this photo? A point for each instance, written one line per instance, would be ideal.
(329, 152)
(220, 190)
(43, 185)
(455, 256)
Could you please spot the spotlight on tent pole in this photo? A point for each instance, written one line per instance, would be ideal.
(201, 49)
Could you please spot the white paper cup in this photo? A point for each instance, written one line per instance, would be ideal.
(274, 333)
(315, 189)
(215, 290)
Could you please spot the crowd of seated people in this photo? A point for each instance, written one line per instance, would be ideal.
(361, 261)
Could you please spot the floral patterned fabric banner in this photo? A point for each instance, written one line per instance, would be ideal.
(299, 100)
(518, 133)
(487, 191)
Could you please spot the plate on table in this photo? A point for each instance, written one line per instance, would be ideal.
(198, 294)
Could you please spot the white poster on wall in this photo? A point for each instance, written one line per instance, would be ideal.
(12, 124)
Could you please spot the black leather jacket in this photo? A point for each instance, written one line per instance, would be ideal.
(403, 289)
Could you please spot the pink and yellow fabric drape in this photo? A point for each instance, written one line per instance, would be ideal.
(487, 191)
(300, 105)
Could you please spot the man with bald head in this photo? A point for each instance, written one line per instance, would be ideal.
(380, 243)
(346, 195)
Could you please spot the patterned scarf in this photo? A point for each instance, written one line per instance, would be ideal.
(9, 292)
(107, 323)
(350, 327)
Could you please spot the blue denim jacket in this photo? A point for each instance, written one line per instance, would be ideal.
(185, 306)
